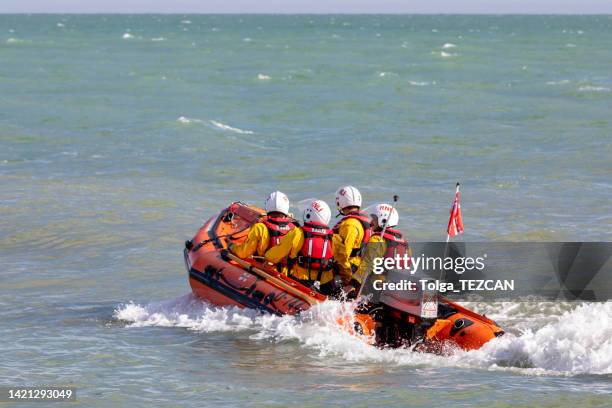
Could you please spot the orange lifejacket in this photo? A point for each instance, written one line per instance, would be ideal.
(367, 231)
(278, 228)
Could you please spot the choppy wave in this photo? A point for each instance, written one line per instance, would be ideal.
(560, 82)
(383, 74)
(445, 54)
(575, 341)
(592, 88)
(421, 83)
(217, 125)
(186, 120)
(14, 40)
(229, 128)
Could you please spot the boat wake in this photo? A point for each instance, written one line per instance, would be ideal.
(543, 339)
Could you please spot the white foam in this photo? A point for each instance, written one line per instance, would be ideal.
(449, 45)
(187, 120)
(561, 82)
(247, 39)
(60, 25)
(577, 342)
(568, 339)
(158, 39)
(229, 128)
(263, 77)
(188, 312)
(591, 88)
(127, 36)
(218, 125)
(185, 22)
(421, 83)
(445, 54)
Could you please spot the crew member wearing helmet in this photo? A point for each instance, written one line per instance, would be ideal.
(350, 234)
(267, 232)
(309, 249)
(386, 240)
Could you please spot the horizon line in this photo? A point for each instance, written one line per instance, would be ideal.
(26, 13)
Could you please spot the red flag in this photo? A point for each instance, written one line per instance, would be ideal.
(455, 223)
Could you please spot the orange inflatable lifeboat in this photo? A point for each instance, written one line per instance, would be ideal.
(225, 280)
(230, 281)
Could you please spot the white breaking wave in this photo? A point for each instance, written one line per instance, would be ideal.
(445, 54)
(576, 341)
(127, 36)
(187, 120)
(561, 82)
(215, 124)
(229, 128)
(263, 77)
(421, 83)
(383, 74)
(449, 45)
(14, 41)
(590, 88)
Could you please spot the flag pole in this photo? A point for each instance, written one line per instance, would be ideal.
(446, 246)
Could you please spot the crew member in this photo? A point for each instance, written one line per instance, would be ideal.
(309, 249)
(350, 235)
(391, 244)
(268, 231)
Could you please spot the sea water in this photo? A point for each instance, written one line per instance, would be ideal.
(121, 134)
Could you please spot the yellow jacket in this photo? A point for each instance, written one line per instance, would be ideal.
(376, 248)
(349, 237)
(290, 246)
(257, 242)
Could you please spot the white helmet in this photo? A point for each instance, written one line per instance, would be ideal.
(385, 214)
(317, 211)
(278, 202)
(348, 196)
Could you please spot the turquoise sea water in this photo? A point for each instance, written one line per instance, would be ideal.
(119, 135)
